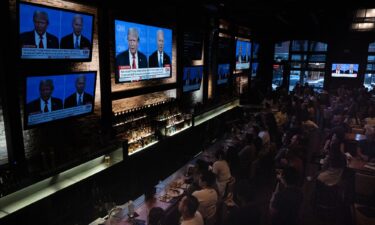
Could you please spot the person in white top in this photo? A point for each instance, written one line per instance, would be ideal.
(188, 207)
(222, 171)
(207, 196)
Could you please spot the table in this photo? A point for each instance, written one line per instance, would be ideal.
(359, 166)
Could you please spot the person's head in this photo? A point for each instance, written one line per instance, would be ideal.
(338, 66)
(207, 179)
(77, 24)
(188, 206)
(46, 89)
(156, 216)
(133, 40)
(351, 66)
(160, 40)
(80, 84)
(41, 22)
(240, 50)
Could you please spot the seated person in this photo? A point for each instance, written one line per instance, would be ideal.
(207, 197)
(285, 204)
(246, 211)
(188, 207)
(366, 148)
(156, 216)
(222, 171)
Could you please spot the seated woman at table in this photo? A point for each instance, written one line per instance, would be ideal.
(334, 163)
(207, 197)
(222, 171)
(156, 216)
(366, 148)
(188, 207)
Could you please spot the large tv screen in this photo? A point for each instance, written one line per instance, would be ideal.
(243, 54)
(344, 70)
(142, 52)
(53, 33)
(56, 97)
(192, 78)
(223, 73)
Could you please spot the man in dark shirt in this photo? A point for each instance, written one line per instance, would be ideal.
(247, 212)
(285, 204)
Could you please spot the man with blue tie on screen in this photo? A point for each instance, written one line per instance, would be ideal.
(76, 40)
(39, 37)
(351, 70)
(132, 58)
(45, 103)
(159, 58)
(80, 97)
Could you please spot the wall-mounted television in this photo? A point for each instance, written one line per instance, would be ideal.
(192, 78)
(54, 33)
(223, 73)
(58, 96)
(344, 70)
(243, 54)
(142, 52)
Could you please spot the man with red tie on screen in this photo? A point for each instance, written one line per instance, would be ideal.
(45, 103)
(75, 40)
(159, 58)
(132, 58)
(39, 37)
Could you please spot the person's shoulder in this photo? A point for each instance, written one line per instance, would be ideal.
(54, 99)
(123, 54)
(140, 54)
(27, 33)
(49, 35)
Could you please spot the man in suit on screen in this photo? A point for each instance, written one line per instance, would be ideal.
(338, 69)
(45, 103)
(132, 57)
(351, 70)
(80, 97)
(39, 37)
(159, 58)
(75, 40)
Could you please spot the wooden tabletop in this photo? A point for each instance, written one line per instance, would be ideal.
(359, 166)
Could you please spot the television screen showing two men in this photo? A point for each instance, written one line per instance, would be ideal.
(52, 33)
(243, 55)
(142, 52)
(344, 70)
(192, 78)
(223, 73)
(55, 97)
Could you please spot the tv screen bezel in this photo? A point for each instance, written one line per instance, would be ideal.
(25, 115)
(114, 49)
(346, 63)
(19, 49)
(192, 90)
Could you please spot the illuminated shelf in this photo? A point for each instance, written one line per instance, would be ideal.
(174, 124)
(199, 119)
(144, 147)
(140, 138)
(129, 121)
(179, 131)
(167, 118)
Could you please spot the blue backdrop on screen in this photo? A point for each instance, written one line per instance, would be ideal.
(194, 72)
(64, 85)
(147, 36)
(246, 48)
(60, 22)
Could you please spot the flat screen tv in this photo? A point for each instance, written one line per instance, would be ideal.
(58, 96)
(243, 54)
(142, 52)
(223, 73)
(192, 78)
(344, 70)
(54, 33)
